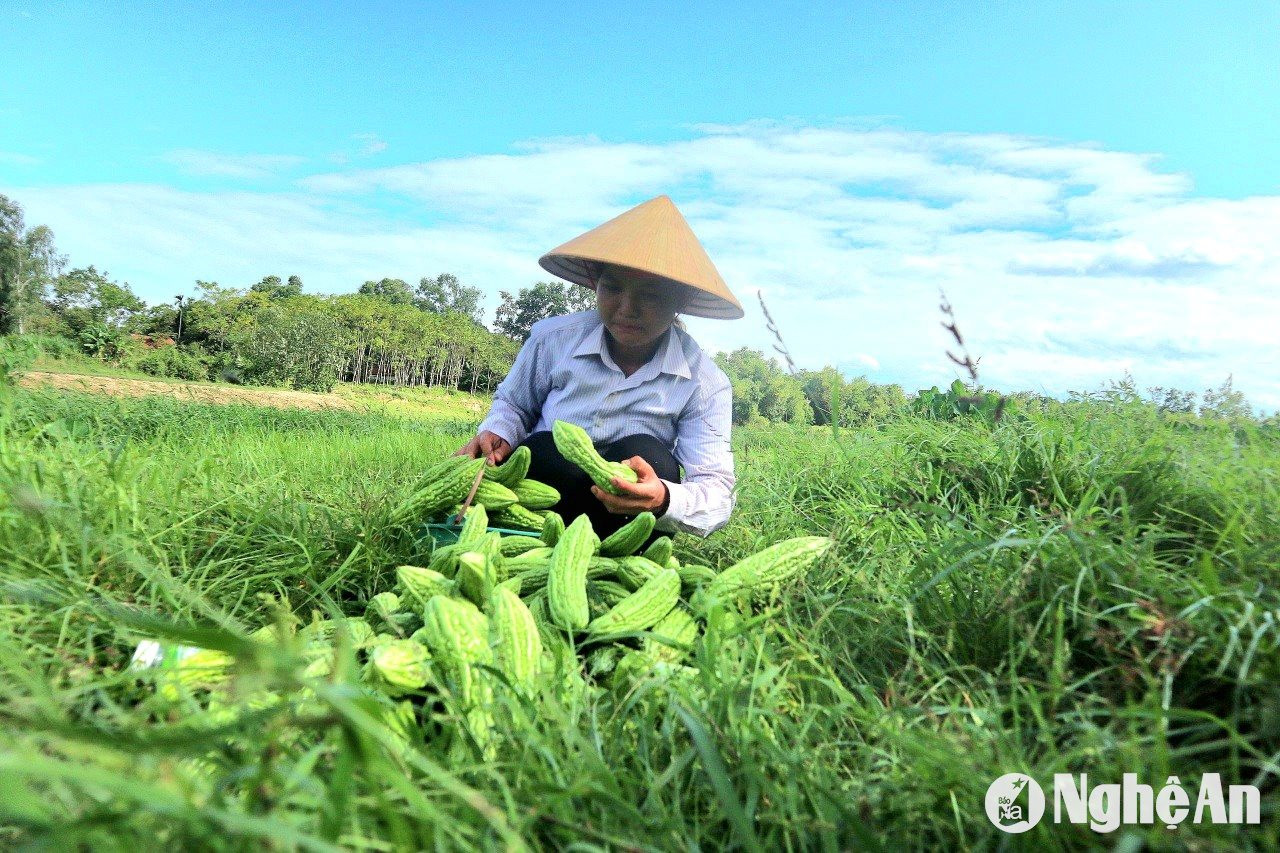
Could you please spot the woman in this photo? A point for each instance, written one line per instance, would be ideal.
(630, 376)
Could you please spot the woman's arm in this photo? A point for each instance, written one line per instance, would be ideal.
(518, 400)
(703, 503)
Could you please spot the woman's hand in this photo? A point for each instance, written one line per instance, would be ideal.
(490, 445)
(649, 494)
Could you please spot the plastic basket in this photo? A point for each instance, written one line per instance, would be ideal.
(445, 532)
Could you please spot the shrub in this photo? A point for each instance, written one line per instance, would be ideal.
(49, 346)
(15, 356)
(173, 362)
(100, 341)
(297, 344)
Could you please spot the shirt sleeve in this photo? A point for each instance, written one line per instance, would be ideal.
(518, 400)
(703, 503)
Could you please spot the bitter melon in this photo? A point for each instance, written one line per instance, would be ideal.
(535, 495)
(493, 495)
(643, 608)
(514, 546)
(475, 525)
(475, 578)
(693, 576)
(517, 517)
(628, 538)
(457, 634)
(772, 565)
(400, 666)
(512, 470)
(517, 644)
(575, 445)
(552, 528)
(448, 489)
(567, 577)
(634, 572)
(672, 635)
(660, 551)
(420, 584)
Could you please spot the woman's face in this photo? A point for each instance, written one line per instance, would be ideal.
(636, 309)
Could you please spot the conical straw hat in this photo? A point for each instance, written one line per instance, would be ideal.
(651, 238)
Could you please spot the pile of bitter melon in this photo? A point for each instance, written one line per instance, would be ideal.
(512, 500)
(554, 610)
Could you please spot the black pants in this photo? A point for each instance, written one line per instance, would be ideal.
(549, 467)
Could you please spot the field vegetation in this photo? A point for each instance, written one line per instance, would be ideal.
(1018, 584)
(1086, 586)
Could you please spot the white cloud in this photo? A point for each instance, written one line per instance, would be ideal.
(370, 144)
(1067, 263)
(242, 166)
(13, 158)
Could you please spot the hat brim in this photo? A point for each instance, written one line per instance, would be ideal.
(584, 271)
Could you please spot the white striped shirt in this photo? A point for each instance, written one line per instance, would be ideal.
(564, 372)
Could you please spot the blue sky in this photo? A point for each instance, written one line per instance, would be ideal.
(1092, 184)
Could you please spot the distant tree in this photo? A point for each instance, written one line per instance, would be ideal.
(1225, 402)
(1172, 400)
(762, 389)
(858, 400)
(275, 289)
(212, 317)
(823, 389)
(11, 244)
(41, 265)
(298, 343)
(29, 263)
(517, 314)
(444, 294)
(86, 297)
(393, 290)
(160, 320)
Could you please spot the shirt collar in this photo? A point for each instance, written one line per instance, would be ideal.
(670, 356)
(673, 360)
(592, 343)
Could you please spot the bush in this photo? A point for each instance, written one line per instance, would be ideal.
(173, 362)
(16, 355)
(101, 341)
(49, 346)
(297, 345)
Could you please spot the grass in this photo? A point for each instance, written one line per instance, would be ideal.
(86, 366)
(1090, 589)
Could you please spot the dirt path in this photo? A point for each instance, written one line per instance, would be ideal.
(195, 392)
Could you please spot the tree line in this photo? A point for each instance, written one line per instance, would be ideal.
(763, 391)
(388, 331)
(270, 332)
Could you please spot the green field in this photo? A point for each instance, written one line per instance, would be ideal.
(1085, 589)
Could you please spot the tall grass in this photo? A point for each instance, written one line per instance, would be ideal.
(1090, 590)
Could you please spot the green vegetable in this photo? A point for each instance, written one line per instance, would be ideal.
(643, 608)
(628, 538)
(448, 489)
(567, 577)
(535, 495)
(772, 565)
(512, 470)
(575, 445)
(400, 666)
(517, 644)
